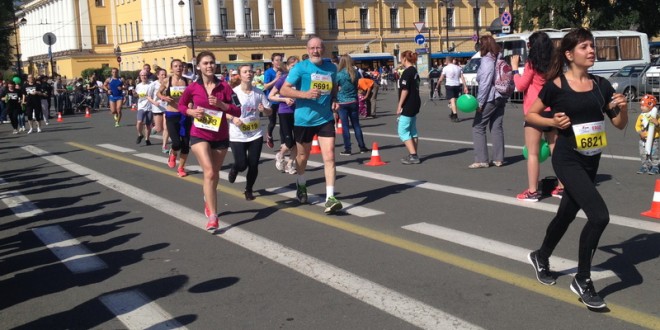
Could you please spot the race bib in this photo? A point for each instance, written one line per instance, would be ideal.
(322, 82)
(177, 91)
(31, 90)
(250, 124)
(590, 138)
(211, 120)
(142, 94)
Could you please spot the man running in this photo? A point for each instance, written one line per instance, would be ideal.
(313, 83)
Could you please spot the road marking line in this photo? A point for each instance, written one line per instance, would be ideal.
(503, 199)
(401, 306)
(318, 200)
(136, 311)
(116, 147)
(19, 204)
(569, 267)
(73, 254)
(523, 282)
(2, 181)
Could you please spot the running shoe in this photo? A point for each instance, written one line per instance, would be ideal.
(643, 170)
(558, 192)
(15, 132)
(269, 141)
(166, 151)
(147, 142)
(38, 129)
(248, 195)
(116, 124)
(587, 293)
(171, 160)
(410, 159)
(291, 167)
(527, 196)
(212, 224)
(30, 131)
(654, 170)
(301, 193)
(345, 153)
(232, 175)
(364, 150)
(332, 205)
(181, 172)
(541, 268)
(139, 139)
(279, 162)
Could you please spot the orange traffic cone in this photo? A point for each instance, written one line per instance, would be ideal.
(87, 114)
(340, 128)
(654, 212)
(316, 149)
(134, 107)
(375, 157)
(59, 117)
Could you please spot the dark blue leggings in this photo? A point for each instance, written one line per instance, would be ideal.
(246, 156)
(578, 176)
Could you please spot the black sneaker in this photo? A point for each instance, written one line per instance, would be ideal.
(364, 150)
(232, 175)
(541, 268)
(345, 153)
(585, 290)
(148, 142)
(139, 139)
(301, 193)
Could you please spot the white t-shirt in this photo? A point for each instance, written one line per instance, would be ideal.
(153, 93)
(251, 128)
(452, 74)
(142, 91)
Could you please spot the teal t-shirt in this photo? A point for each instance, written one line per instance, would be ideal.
(348, 88)
(324, 77)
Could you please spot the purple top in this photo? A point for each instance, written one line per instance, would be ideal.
(283, 107)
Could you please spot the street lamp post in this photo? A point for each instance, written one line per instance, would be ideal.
(192, 28)
(450, 5)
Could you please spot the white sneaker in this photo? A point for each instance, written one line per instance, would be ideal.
(279, 162)
(38, 129)
(47, 123)
(30, 131)
(15, 132)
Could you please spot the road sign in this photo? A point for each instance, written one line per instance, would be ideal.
(49, 38)
(118, 59)
(475, 37)
(419, 26)
(419, 39)
(506, 18)
(506, 29)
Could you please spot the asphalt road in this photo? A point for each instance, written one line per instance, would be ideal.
(97, 232)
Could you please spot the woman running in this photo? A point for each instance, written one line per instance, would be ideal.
(245, 133)
(12, 97)
(158, 107)
(114, 86)
(285, 113)
(178, 124)
(208, 100)
(32, 100)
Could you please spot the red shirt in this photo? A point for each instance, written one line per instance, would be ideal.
(196, 93)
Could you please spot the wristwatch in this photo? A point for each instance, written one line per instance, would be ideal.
(514, 72)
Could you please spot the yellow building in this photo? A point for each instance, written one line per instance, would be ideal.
(94, 33)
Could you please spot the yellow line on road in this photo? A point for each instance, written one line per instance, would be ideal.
(524, 282)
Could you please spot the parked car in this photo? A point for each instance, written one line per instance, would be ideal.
(653, 77)
(631, 80)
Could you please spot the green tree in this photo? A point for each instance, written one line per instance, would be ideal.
(6, 33)
(638, 15)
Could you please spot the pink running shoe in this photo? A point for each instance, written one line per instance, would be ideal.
(212, 224)
(171, 161)
(181, 172)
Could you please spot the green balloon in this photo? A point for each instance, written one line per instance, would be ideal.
(544, 151)
(467, 103)
(16, 80)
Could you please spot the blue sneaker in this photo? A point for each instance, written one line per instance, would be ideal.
(654, 170)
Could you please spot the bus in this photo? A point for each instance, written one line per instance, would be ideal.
(614, 49)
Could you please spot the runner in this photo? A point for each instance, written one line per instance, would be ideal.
(208, 100)
(158, 107)
(144, 115)
(114, 87)
(245, 134)
(315, 83)
(178, 125)
(32, 100)
(270, 77)
(13, 97)
(285, 112)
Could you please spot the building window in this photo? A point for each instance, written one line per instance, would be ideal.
(224, 24)
(99, 3)
(422, 15)
(271, 18)
(137, 31)
(233, 57)
(101, 38)
(125, 33)
(450, 18)
(394, 18)
(119, 36)
(364, 19)
(132, 36)
(248, 19)
(332, 19)
(257, 57)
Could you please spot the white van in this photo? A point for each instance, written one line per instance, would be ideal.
(470, 73)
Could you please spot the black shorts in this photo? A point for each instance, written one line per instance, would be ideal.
(213, 144)
(452, 91)
(305, 134)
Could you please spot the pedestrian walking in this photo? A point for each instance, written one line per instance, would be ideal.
(455, 79)
(347, 83)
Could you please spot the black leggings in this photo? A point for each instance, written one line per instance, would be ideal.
(272, 119)
(578, 174)
(247, 155)
(286, 130)
(12, 112)
(173, 128)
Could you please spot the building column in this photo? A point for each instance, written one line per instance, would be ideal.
(153, 19)
(287, 18)
(264, 28)
(161, 19)
(85, 28)
(214, 18)
(146, 22)
(310, 21)
(73, 28)
(186, 18)
(170, 27)
(239, 18)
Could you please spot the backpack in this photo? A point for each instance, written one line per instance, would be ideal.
(503, 78)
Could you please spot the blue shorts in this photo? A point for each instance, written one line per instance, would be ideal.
(115, 98)
(407, 128)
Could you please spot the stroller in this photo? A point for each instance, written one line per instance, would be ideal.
(82, 102)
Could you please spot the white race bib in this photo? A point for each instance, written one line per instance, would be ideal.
(590, 138)
(211, 120)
